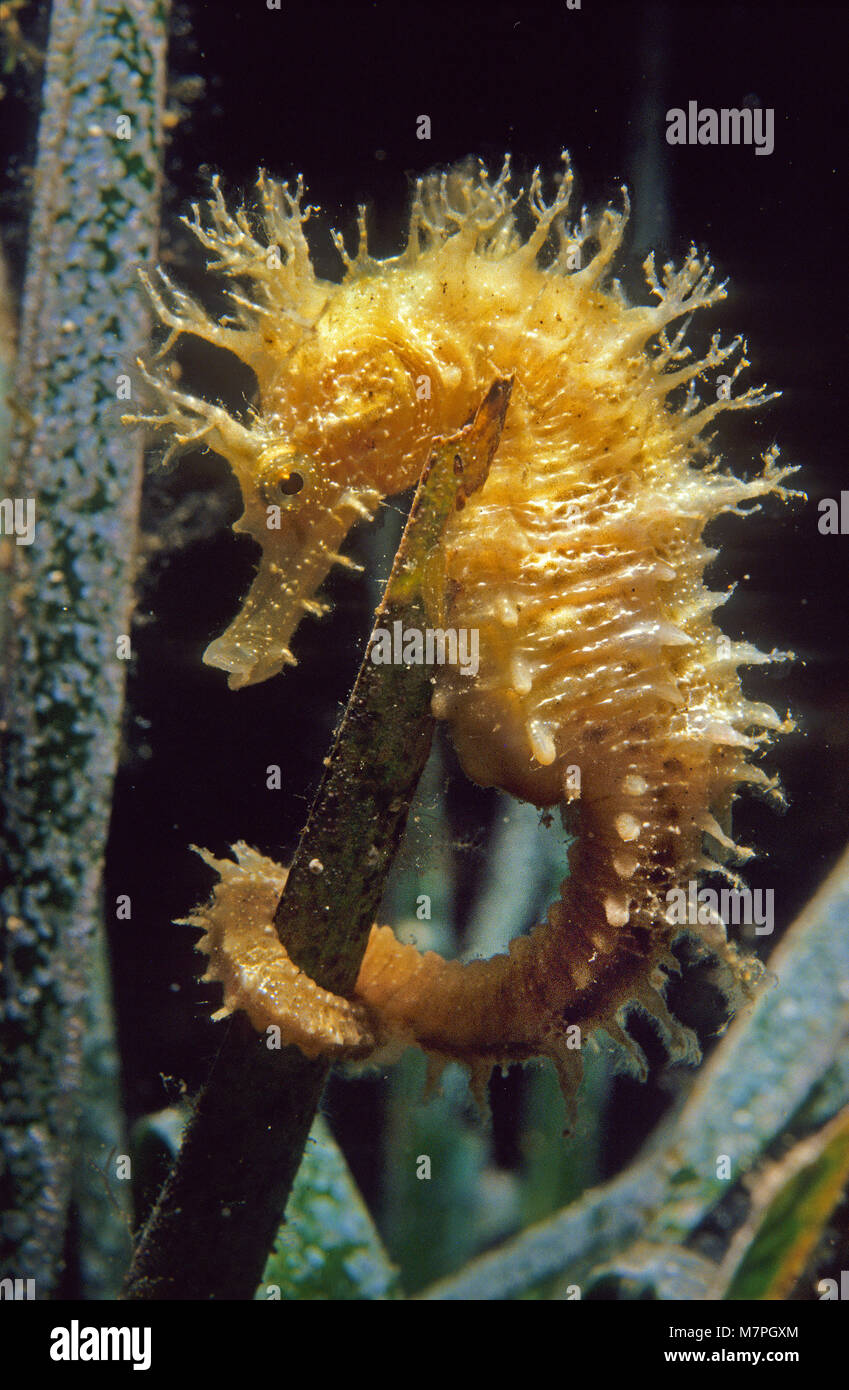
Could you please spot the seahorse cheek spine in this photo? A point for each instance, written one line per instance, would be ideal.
(580, 564)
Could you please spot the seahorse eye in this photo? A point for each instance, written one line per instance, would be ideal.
(281, 472)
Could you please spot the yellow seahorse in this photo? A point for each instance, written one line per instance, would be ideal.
(580, 563)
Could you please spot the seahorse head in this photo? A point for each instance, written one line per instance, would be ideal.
(334, 432)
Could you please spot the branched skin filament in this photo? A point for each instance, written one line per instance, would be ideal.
(579, 565)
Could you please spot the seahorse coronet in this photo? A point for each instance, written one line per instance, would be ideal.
(580, 563)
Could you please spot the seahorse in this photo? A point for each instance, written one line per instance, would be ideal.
(580, 562)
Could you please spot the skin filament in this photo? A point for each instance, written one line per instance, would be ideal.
(580, 563)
